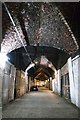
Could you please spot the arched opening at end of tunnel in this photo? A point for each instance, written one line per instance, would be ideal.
(40, 74)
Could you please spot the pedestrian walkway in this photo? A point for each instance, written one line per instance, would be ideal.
(41, 104)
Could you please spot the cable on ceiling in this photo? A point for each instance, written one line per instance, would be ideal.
(17, 31)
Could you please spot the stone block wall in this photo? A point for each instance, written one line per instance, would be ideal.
(8, 83)
(20, 83)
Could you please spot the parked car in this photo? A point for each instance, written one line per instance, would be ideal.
(34, 88)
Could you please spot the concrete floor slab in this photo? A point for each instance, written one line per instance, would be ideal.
(41, 104)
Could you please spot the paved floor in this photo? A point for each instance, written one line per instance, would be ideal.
(42, 104)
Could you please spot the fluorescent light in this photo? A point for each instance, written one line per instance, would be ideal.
(30, 66)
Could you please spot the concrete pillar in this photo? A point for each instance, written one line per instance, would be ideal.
(1, 78)
(75, 77)
(1, 72)
(56, 82)
(71, 80)
(53, 85)
(27, 81)
(0, 24)
(59, 82)
(50, 83)
(79, 82)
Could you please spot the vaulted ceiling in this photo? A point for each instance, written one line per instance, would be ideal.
(39, 24)
(71, 12)
(43, 30)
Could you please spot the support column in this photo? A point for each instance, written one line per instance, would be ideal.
(71, 80)
(79, 82)
(27, 81)
(75, 77)
(1, 78)
(59, 78)
(1, 72)
(56, 82)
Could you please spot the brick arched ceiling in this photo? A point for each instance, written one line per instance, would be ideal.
(39, 24)
(71, 11)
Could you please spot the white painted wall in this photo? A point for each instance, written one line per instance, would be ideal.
(74, 77)
(50, 83)
(26, 77)
(8, 82)
(56, 82)
(64, 69)
(71, 80)
(53, 85)
(79, 82)
(12, 82)
(1, 77)
(73, 68)
(59, 82)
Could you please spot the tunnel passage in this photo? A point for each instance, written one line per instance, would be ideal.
(46, 60)
(43, 30)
